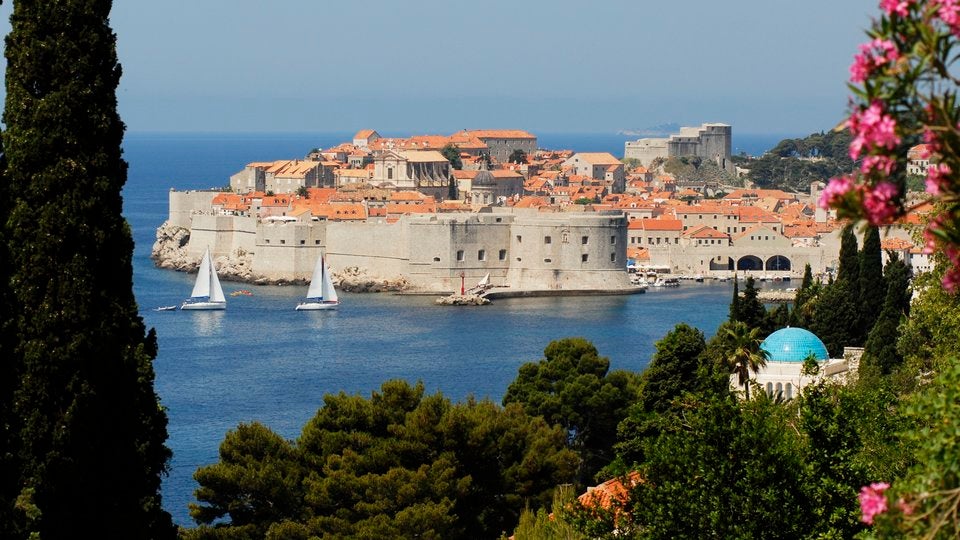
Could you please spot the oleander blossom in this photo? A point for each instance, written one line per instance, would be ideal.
(872, 501)
(900, 7)
(873, 55)
(872, 129)
(880, 203)
(878, 164)
(836, 191)
(937, 178)
(949, 12)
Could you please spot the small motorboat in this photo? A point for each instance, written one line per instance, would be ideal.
(166, 308)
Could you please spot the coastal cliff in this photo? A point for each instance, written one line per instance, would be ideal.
(170, 251)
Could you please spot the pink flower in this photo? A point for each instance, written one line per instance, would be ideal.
(880, 203)
(949, 12)
(937, 178)
(880, 164)
(836, 190)
(873, 55)
(872, 128)
(900, 7)
(872, 501)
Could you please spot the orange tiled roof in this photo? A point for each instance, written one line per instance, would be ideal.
(599, 158)
(363, 134)
(648, 224)
(895, 244)
(706, 232)
(500, 134)
(610, 494)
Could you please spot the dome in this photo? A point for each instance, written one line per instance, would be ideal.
(483, 179)
(793, 345)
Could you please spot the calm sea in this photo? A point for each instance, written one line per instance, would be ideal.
(262, 361)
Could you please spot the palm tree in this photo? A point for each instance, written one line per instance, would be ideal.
(743, 353)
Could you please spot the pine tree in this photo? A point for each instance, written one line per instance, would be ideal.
(91, 430)
(872, 287)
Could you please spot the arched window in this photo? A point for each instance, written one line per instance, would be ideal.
(769, 388)
(789, 391)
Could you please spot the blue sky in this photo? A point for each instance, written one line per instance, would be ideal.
(430, 66)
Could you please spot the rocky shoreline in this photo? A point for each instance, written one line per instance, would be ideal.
(170, 252)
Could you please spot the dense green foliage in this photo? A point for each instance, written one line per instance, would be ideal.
(518, 156)
(880, 349)
(674, 370)
(571, 387)
(84, 448)
(873, 289)
(452, 153)
(729, 470)
(794, 164)
(396, 465)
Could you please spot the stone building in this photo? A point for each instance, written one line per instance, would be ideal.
(503, 142)
(426, 171)
(601, 166)
(786, 350)
(708, 142)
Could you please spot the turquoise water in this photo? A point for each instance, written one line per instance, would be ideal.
(262, 361)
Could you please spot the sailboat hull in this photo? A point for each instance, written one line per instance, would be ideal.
(317, 306)
(198, 306)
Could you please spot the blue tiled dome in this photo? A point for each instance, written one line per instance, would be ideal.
(793, 345)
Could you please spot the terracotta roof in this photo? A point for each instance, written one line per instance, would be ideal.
(612, 494)
(500, 134)
(598, 158)
(895, 244)
(423, 156)
(648, 224)
(706, 232)
(364, 134)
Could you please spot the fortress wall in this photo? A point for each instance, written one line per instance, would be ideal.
(569, 251)
(183, 204)
(446, 246)
(288, 250)
(646, 150)
(222, 234)
(379, 247)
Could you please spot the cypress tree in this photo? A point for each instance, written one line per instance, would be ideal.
(9, 466)
(800, 315)
(880, 349)
(735, 303)
(849, 262)
(872, 287)
(91, 434)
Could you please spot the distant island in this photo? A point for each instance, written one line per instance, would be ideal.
(659, 130)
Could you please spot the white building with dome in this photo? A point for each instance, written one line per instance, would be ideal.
(787, 349)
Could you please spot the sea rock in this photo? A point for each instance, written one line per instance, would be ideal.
(463, 300)
(361, 280)
(170, 248)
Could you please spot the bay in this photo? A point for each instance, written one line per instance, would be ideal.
(261, 361)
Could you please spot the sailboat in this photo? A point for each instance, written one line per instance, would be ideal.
(207, 293)
(321, 294)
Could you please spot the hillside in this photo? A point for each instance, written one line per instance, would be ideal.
(794, 163)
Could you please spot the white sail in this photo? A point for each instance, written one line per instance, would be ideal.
(216, 292)
(316, 282)
(201, 288)
(485, 281)
(207, 293)
(329, 292)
